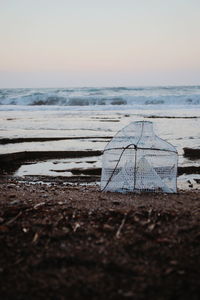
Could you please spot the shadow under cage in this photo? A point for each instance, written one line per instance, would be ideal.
(138, 160)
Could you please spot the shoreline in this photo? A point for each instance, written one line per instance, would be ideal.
(80, 171)
(61, 237)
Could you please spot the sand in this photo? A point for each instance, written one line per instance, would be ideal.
(74, 242)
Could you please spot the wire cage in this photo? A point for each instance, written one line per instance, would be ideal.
(138, 160)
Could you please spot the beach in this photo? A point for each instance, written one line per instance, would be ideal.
(75, 242)
(99, 150)
(62, 132)
(60, 236)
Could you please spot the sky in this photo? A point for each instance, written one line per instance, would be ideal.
(60, 43)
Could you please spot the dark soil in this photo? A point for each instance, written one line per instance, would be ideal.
(4, 141)
(62, 242)
(192, 153)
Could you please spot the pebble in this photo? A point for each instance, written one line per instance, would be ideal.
(11, 185)
(15, 202)
(107, 227)
(66, 230)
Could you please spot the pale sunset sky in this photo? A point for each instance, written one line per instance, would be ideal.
(59, 43)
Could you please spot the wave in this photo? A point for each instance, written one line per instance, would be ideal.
(159, 96)
(90, 101)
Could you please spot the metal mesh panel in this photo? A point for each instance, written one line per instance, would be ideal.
(137, 160)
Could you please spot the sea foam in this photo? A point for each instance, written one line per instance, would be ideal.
(113, 96)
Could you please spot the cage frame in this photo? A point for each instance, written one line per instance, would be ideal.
(136, 148)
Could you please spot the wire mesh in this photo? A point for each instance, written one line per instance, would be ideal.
(138, 160)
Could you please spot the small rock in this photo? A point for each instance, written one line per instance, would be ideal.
(60, 203)
(14, 202)
(107, 227)
(136, 219)
(65, 230)
(151, 227)
(11, 185)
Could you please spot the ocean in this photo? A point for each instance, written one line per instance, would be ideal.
(85, 119)
(139, 97)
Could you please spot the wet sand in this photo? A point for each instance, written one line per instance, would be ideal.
(78, 167)
(6, 141)
(30, 142)
(74, 242)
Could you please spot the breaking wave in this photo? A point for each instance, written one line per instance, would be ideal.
(102, 96)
